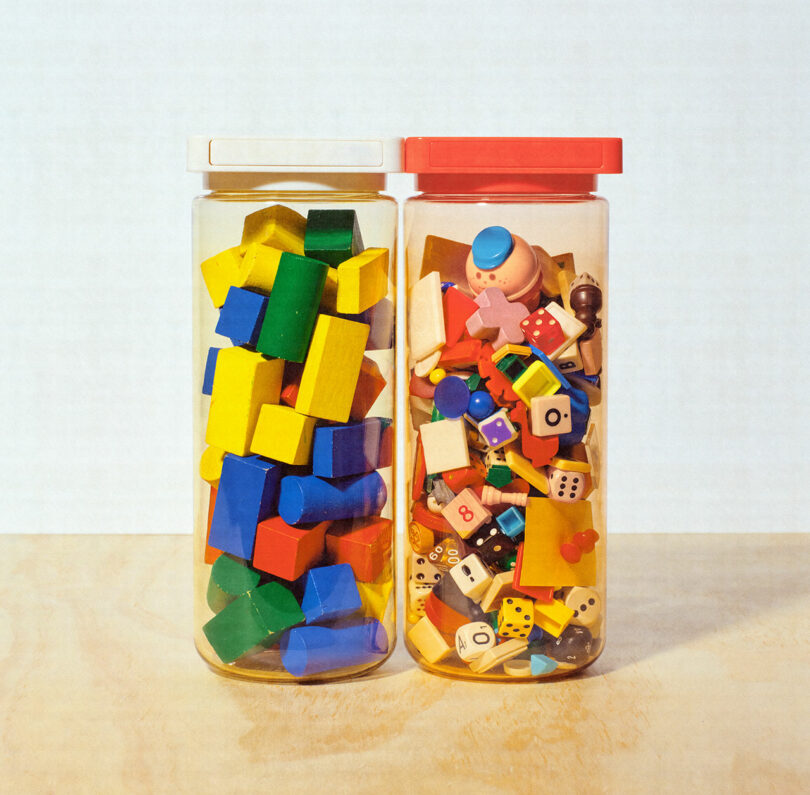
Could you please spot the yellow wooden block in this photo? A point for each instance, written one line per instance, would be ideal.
(211, 464)
(375, 596)
(428, 641)
(523, 468)
(553, 618)
(362, 281)
(537, 380)
(259, 267)
(283, 435)
(549, 524)
(329, 296)
(277, 226)
(505, 350)
(221, 272)
(243, 382)
(332, 368)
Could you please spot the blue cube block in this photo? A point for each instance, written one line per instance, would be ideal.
(512, 522)
(330, 592)
(241, 316)
(210, 367)
(246, 495)
(342, 450)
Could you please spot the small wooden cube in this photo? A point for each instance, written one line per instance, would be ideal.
(428, 641)
(515, 618)
(465, 513)
(472, 577)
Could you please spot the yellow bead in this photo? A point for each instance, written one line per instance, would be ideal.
(436, 375)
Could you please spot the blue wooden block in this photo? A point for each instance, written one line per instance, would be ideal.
(330, 592)
(342, 450)
(313, 650)
(241, 316)
(512, 522)
(210, 367)
(246, 495)
(311, 499)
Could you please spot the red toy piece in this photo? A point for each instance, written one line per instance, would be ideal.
(435, 521)
(419, 471)
(365, 544)
(286, 551)
(457, 310)
(370, 384)
(543, 593)
(421, 387)
(538, 449)
(460, 479)
(463, 354)
(499, 386)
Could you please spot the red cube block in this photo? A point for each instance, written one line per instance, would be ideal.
(286, 551)
(543, 331)
(365, 544)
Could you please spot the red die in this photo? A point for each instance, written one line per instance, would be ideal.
(543, 331)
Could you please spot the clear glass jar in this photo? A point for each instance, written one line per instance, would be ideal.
(506, 260)
(293, 408)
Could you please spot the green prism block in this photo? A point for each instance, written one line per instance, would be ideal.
(256, 618)
(292, 308)
(332, 236)
(499, 476)
(474, 381)
(436, 415)
(229, 579)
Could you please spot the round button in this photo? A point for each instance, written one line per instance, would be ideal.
(491, 247)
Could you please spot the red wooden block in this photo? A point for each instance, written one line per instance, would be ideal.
(286, 551)
(462, 354)
(544, 593)
(458, 308)
(538, 449)
(499, 386)
(419, 471)
(460, 479)
(365, 544)
(369, 385)
(211, 554)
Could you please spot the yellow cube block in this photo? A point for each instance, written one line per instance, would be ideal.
(428, 641)
(211, 464)
(221, 272)
(375, 596)
(243, 382)
(537, 380)
(283, 435)
(362, 281)
(277, 226)
(553, 618)
(259, 267)
(332, 368)
(549, 525)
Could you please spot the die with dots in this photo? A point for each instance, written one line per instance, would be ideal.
(473, 639)
(466, 513)
(515, 618)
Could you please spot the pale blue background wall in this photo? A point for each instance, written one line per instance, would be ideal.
(709, 428)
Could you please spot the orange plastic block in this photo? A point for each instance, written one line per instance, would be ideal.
(463, 354)
(443, 617)
(460, 479)
(370, 384)
(365, 544)
(211, 554)
(549, 525)
(435, 521)
(286, 551)
(458, 308)
(499, 386)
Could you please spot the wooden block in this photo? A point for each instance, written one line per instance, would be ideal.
(286, 551)
(332, 236)
(365, 544)
(328, 303)
(343, 450)
(500, 587)
(229, 579)
(553, 618)
(258, 268)
(426, 317)
(211, 464)
(549, 524)
(220, 273)
(211, 554)
(449, 258)
(591, 353)
(277, 226)
(465, 513)
(445, 445)
(308, 498)
(241, 316)
(330, 593)
(370, 384)
(498, 654)
(362, 281)
(551, 267)
(375, 596)
(283, 435)
(292, 308)
(428, 641)
(243, 382)
(332, 369)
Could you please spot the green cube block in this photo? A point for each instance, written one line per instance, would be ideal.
(229, 579)
(332, 236)
(499, 476)
(292, 308)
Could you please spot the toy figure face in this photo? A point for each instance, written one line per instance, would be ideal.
(500, 259)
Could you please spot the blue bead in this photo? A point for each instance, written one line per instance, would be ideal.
(481, 405)
(452, 397)
(491, 247)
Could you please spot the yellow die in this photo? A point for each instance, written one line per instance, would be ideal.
(515, 618)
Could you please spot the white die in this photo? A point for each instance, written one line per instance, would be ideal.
(423, 572)
(472, 577)
(564, 485)
(551, 415)
(586, 604)
(417, 596)
(472, 640)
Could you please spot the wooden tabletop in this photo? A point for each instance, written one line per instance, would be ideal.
(704, 686)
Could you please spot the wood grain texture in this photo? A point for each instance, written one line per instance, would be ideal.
(704, 686)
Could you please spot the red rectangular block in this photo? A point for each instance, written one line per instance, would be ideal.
(365, 544)
(286, 551)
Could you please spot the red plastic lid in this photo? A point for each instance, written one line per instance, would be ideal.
(555, 165)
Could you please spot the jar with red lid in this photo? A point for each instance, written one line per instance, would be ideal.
(506, 269)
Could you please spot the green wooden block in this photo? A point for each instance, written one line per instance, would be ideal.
(256, 618)
(229, 579)
(292, 308)
(499, 476)
(332, 236)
